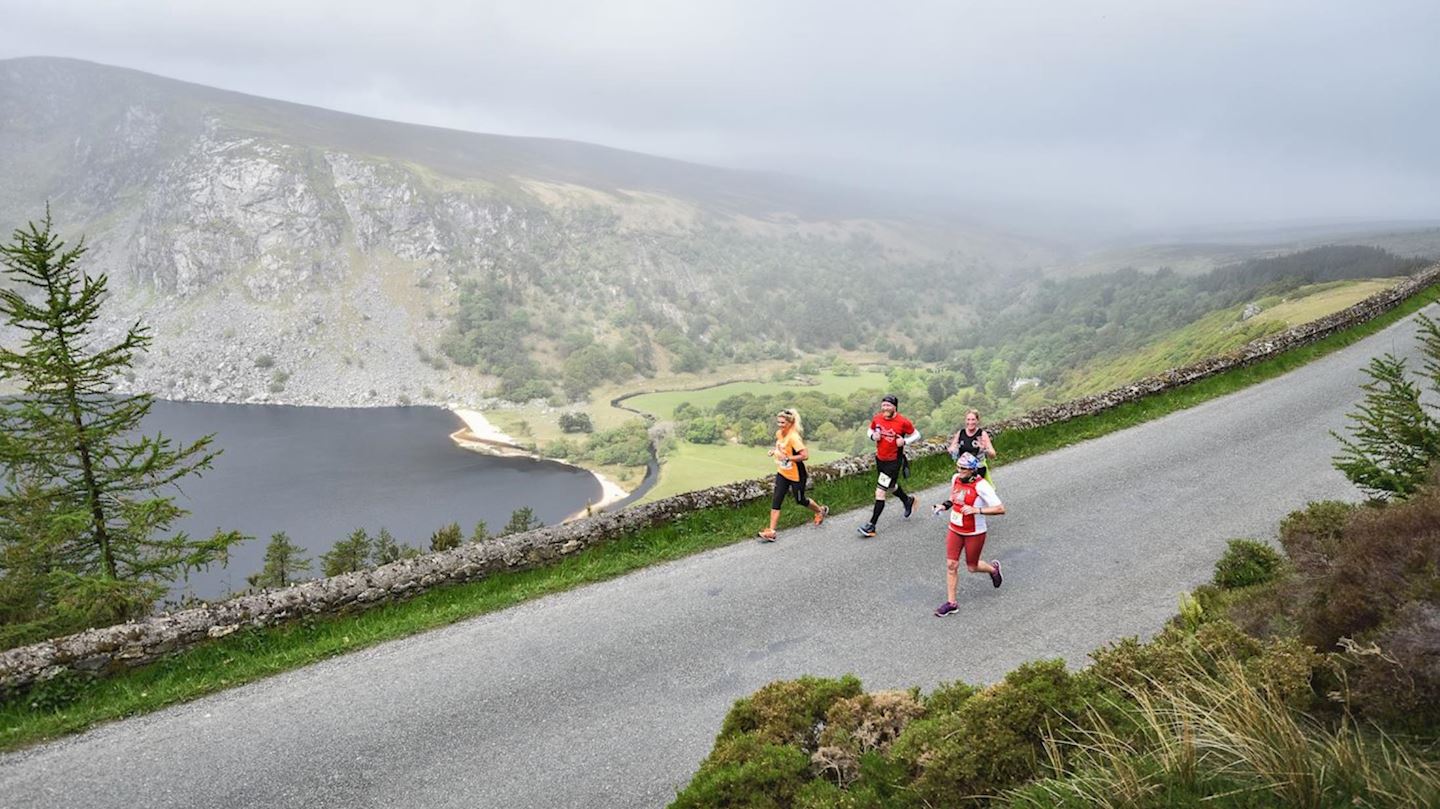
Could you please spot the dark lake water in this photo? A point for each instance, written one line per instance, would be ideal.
(319, 473)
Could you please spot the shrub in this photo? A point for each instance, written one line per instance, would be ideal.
(264, 361)
(626, 445)
(995, 740)
(1397, 546)
(855, 726)
(446, 538)
(949, 698)
(576, 423)
(1247, 562)
(788, 711)
(1311, 536)
(705, 430)
(745, 771)
(1396, 680)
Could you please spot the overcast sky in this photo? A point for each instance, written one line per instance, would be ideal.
(1148, 113)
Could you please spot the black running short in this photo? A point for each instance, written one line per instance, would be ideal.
(784, 487)
(887, 471)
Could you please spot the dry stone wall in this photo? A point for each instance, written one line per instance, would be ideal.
(110, 649)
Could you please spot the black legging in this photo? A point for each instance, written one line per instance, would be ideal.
(784, 486)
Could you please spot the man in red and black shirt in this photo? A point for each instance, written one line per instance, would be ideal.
(891, 432)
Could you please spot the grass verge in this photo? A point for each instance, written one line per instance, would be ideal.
(68, 706)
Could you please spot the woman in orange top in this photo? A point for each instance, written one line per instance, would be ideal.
(790, 455)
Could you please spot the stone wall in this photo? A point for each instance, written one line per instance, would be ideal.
(110, 649)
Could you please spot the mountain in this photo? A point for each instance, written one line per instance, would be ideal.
(281, 252)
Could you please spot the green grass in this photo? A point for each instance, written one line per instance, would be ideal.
(699, 466)
(252, 654)
(1323, 299)
(1219, 333)
(663, 403)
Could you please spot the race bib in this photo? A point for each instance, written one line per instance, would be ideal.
(883, 481)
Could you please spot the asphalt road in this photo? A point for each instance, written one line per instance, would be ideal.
(612, 694)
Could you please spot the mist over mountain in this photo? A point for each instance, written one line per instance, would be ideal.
(288, 253)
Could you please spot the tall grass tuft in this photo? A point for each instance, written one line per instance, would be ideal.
(1208, 734)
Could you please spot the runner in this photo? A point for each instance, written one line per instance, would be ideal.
(974, 439)
(790, 455)
(972, 498)
(891, 432)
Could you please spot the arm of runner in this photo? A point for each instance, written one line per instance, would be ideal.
(986, 445)
(989, 499)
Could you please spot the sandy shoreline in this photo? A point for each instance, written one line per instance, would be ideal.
(483, 436)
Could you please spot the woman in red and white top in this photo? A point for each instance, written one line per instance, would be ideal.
(972, 499)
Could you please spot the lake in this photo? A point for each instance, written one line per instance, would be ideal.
(319, 473)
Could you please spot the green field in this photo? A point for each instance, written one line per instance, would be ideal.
(700, 466)
(1219, 333)
(662, 404)
(1325, 299)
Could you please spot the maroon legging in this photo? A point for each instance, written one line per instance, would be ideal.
(972, 543)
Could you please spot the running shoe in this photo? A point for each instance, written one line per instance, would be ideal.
(867, 530)
(995, 574)
(766, 536)
(822, 514)
(909, 506)
(946, 608)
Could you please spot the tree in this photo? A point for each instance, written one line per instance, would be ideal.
(284, 562)
(385, 549)
(1394, 439)
(576, 423)
(521, 519)
(348, 555)
(481, 532)
(82, 509)
(446, 538)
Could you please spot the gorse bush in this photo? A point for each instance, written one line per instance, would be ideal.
(1247, 562)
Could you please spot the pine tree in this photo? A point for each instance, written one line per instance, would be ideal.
(348, 555)
(1430, 349)
(446, 538)
(284, 562)
(385, 549)
(1395, 439)
(82, 511)
(481, 532)
(521, 519)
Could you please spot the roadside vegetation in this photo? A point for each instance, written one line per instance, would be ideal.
(72, 704)
(1307, 679)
